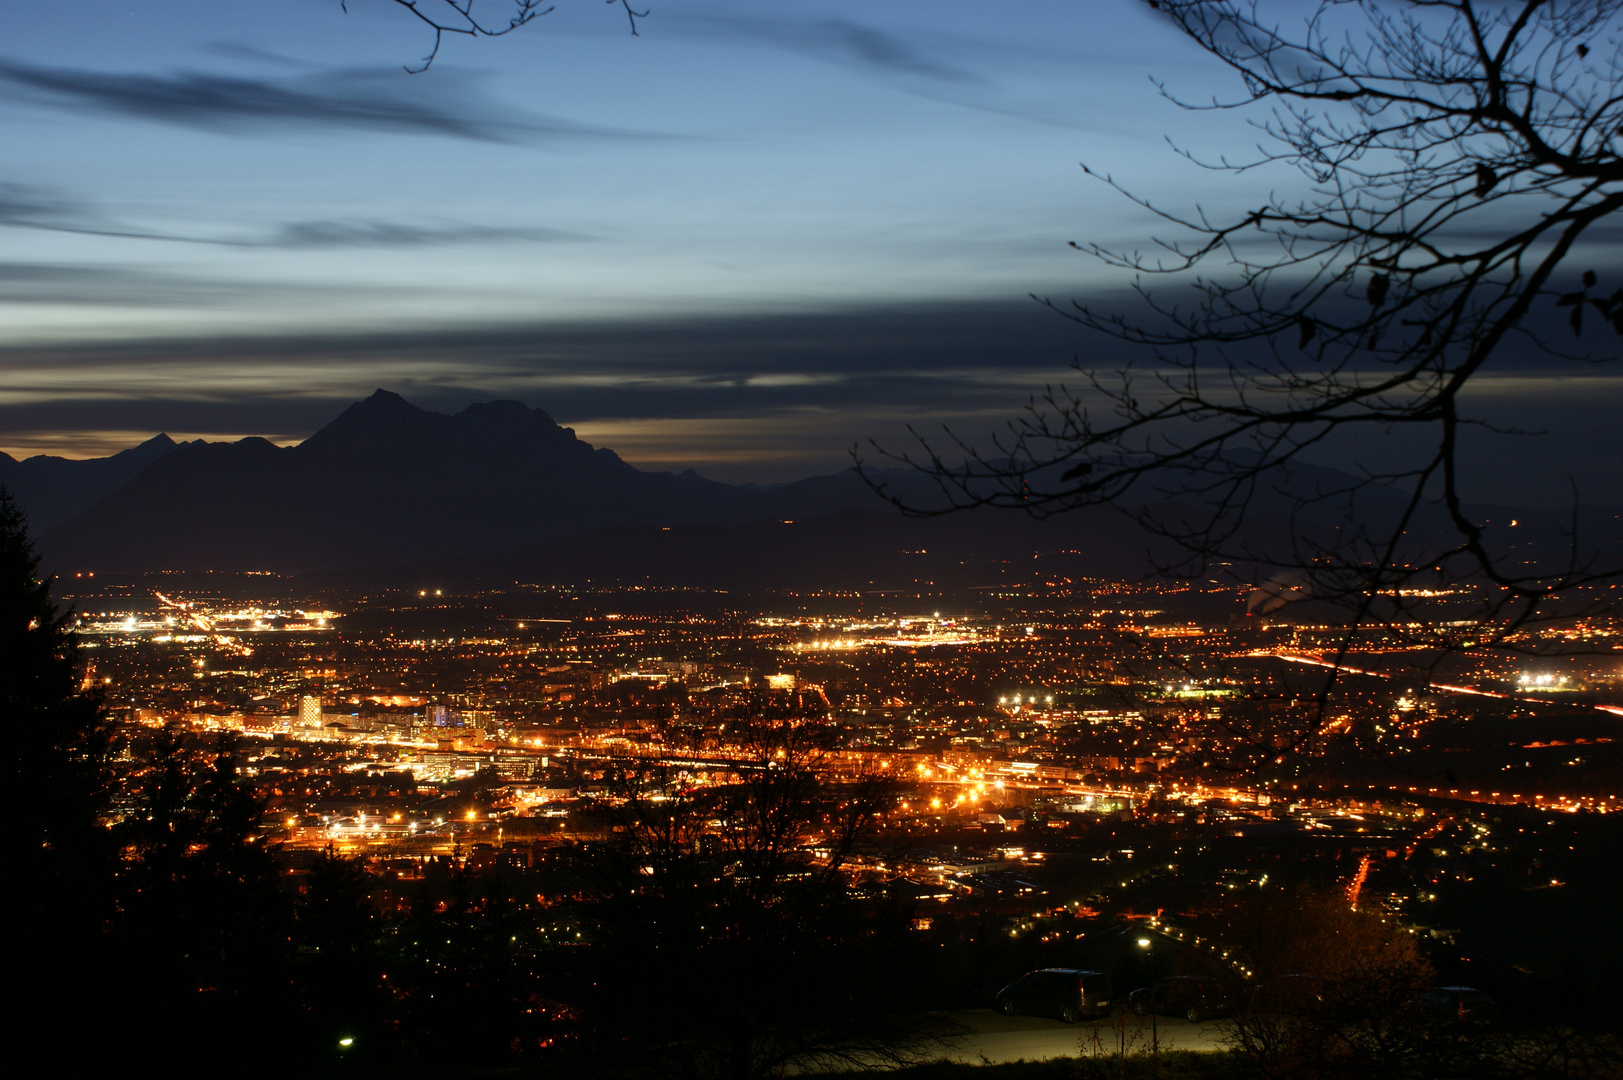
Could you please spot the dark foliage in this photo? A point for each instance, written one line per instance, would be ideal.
(57, 854)
(55, 735)
(727, 938)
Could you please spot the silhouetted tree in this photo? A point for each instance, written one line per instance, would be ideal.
(726, 937)
(56, 849)
(1337, 992)
(199, 950)
(341, 966)
(473, 976)
(56, 734)
(1331, 990)
(1455, 156)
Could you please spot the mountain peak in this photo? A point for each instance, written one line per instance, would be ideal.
(58, 488)
(377, 417)
(385, 399)
(507, 412)
(379, 404)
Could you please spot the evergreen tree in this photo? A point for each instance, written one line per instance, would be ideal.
(57, 850)
(56, 736)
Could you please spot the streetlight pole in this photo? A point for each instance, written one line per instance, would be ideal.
(1155, 1006)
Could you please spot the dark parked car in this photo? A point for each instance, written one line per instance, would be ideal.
(1189, 996)
(1071, 994)
(1461, 1003)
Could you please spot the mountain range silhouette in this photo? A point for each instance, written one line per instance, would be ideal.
(500, 491)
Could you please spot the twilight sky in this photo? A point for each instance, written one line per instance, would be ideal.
(741, 241)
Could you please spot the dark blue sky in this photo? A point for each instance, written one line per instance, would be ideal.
(741, 241)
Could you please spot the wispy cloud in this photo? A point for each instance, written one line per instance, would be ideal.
(236, 50)
(951, 69)
(29, 282)
(26, 207)
(348, 234)
(29, 207)
(341, 100)
(909, 358)
(841, 41)
(751, 397)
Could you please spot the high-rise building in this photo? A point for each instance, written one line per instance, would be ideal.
(310, 711)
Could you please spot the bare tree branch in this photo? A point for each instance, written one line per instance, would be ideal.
(458, 17)
(1455, 156)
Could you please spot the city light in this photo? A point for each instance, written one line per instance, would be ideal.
(368, 740)
(811, 705)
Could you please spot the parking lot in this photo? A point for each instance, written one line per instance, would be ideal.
(993, 1037)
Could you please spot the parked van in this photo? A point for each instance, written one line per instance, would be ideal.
(1071, 994)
